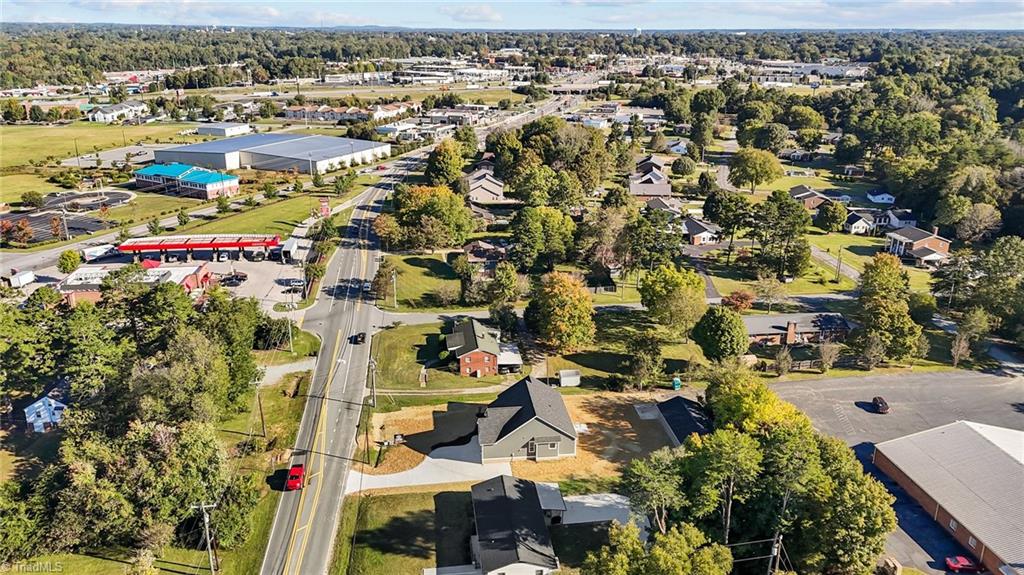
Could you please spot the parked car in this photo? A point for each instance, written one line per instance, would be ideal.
(367, 286)
(230, 281)
(221, 256)
(173, 258)
(359, 338)
(961, 564)
(297, 282)
(382, 167)
(293, 290)
(295, 477)
(242, 276)
(880, 405)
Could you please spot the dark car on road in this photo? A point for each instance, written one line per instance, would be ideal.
(880, 404)
(359, 338)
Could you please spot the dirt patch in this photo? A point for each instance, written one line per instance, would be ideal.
(615, 435)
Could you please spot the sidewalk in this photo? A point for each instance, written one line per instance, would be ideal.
(273, 373)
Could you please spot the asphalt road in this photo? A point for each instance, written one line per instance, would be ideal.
(306, 520)
(840, 407)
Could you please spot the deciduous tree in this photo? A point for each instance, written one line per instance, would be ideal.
(752, 167)
(674, 297)
(720, 333)
(562, 314)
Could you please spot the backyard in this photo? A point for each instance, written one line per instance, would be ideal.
(817, 280)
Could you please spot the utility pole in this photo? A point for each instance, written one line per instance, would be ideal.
(259, 402)
(77, 155)
(839, 264)
(64, 218)
(373, 383)
(206, 530)
(394, 286)
(291, 343)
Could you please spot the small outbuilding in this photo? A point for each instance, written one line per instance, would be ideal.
(569, 378)
(47, 412)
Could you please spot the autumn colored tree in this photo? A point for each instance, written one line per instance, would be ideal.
(561, 313)
(739, 301)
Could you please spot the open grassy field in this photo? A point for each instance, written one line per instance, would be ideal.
(858, 250)
(402, 351)
(19, 144)
(403, 533)
(13, 185)
(608, 352)
(817, 280)
(419, 276)
(282, 412)
(278, 218)
(147, 206)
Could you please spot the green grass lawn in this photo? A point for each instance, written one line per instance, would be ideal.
(304, 344)
(404, 533)
(817, 280)
(146, 206)
(282, 414)
(573, 542)
(401, 352)
(858, 250)
(19, 144)
(279, 218)
(12, 186)
(608, 353)
(419, 276)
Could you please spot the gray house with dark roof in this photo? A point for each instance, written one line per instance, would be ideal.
(512, 536)
(526, 421)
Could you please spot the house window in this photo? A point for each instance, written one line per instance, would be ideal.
(540, 572)
(487, 359)
(552, 445)
(953, 525)
(467, 370)
(972, 542)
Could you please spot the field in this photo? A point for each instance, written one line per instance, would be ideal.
(817, 280)
(419, 276)
(606, 356)
(147, 206)
(13, 185)
(403, 533)
(20, 144)
(278, 218)
(859, 250)
(402, 351)
(282, 414)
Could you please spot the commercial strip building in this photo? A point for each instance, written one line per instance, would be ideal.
(970, 478)
(281, 152)
(186, 180)
(84, 283)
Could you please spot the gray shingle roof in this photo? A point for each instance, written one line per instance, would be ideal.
(684, 417)
(910, 234)
(696, 226)
(525, 400)
(805, 323)
(468, 336)
(638, 189)
(510, 524)
(976, 473)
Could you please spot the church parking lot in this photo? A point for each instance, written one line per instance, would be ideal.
(841, 408)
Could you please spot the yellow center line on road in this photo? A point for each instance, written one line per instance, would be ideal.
(321, 423)
(298, 526)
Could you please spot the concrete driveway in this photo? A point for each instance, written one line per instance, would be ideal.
(840, 407)
(453, 464)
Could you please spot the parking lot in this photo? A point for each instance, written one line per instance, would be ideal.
(268, 281)
(842, 408)
(136, 155)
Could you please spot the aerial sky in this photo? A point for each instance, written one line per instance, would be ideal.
(525, 15)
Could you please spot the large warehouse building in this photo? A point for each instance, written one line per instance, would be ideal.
(969, 477)
(281, 152)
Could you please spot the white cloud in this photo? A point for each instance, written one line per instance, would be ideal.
(472, 13)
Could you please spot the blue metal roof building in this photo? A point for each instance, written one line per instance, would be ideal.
(186, 180)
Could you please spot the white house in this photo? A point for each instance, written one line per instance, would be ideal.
(127, 110)
(880, 197)
(859, 223)
(44, 413)
(896, 219)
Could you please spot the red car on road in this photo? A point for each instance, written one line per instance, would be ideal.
(295, 476)
(961, 564)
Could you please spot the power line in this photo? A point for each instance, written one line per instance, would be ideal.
(206, 530)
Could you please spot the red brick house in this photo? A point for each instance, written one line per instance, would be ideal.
(924, 248)
(474, 348)
(792, 328)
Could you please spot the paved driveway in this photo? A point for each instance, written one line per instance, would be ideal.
(454, 464)
(840, 407)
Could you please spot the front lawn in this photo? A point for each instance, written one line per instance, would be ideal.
(146, 206)
(817, 280)
(401, 352)
(419, 276)
(281, 217)
(304, 344)
(858, 250)
(403, 533)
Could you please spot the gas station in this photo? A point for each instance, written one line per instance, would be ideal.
(232, 244)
